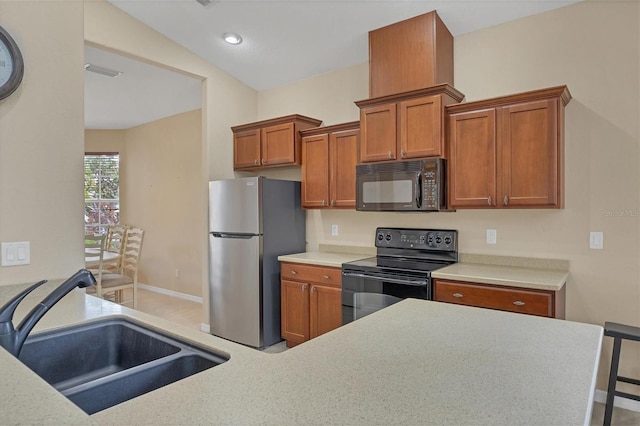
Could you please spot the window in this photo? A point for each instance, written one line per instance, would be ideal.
(101, 192)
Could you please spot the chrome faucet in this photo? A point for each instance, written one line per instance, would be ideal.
(11, 338)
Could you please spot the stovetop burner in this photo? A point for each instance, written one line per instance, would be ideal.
(399, 264)
(410, 251)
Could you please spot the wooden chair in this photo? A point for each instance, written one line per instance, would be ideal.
(94, 256)
(115, 243)
(128, 275)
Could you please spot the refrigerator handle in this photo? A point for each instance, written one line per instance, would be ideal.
(227, 235)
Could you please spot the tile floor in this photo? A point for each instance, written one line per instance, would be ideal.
(189, 314)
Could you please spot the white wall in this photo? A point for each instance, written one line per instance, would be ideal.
(41, 141)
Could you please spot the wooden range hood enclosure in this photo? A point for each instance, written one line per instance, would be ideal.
(410, 55)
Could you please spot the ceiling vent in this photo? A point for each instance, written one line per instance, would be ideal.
(101, 70)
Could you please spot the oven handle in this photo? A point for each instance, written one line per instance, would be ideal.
(402, 281)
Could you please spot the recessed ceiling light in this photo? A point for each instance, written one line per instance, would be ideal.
(101, 70)
(232, 38)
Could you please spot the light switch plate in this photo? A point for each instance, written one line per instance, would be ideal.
(334, 230)
(596, 240)
(492, 236)
(18, 253)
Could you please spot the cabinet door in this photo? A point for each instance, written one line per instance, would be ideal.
(343, 152)
(294, 311)
(315, 171)
(246, 149)
(378, 127)
(325, 309)
(472, 159)
(530, 154)
(421, 127)
(278, 145)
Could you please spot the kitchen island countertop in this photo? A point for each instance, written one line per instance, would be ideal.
(416, 362)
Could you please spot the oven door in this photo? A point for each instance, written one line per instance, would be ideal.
(366, 292)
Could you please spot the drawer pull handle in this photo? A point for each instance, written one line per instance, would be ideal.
(256, 162)
(313, 289)
(389, 154)
(489, 200)
(304, 287)
(458, 295)
(326, 277)
(518, 303)
(293, 272)
(506, 200)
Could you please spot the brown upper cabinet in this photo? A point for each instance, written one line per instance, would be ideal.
(329, 157)
(269, 143)
(405, 125)
(410, 55)
(508, 152)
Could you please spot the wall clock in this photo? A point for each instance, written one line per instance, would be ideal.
(11, 65)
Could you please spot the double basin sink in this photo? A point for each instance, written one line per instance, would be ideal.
(101, 364)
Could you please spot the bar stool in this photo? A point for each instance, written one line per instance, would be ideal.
(618, 332)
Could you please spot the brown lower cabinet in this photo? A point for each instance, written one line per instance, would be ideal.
(311, 301)
(546, 303)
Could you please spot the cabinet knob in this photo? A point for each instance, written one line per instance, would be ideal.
(458, 295)
(489, 200)
(293, 272)
(264, 161)
(390, 155)
(324, 203)
(313, 289)
(402, 153)
(505, 200)
(518, 303)
(304, 287)
(256, 162)
(333, 202)
(326, 277)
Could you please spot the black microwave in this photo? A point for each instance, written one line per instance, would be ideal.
(415, 185)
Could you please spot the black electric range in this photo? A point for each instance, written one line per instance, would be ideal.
(401, 269)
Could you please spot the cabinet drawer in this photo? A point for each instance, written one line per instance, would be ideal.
(310, 273)
(503, 298)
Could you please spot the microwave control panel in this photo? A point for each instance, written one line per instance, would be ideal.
(432, 179)
(428, 239)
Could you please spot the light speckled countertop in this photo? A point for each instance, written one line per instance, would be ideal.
(541, 274)
(322, 258)
(416, 362)
(512, 276)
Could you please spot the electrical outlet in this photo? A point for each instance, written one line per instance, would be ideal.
(596, 240)
(492, 236)
(177, 273)
(334, 230)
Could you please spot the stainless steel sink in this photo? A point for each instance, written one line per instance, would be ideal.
(101, 364)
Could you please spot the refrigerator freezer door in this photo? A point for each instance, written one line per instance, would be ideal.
(234, 205)
(234, 288)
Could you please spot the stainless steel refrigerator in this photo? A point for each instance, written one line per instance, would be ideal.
(252, 221)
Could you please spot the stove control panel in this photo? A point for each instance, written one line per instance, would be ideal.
(419, 239)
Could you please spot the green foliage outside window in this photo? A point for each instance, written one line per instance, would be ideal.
(101, 192)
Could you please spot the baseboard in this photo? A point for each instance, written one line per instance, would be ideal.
(627, 404)
(205, 327)
(170, 293)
